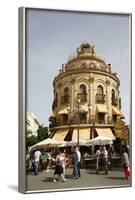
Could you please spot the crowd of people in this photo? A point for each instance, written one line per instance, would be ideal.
(103, 162)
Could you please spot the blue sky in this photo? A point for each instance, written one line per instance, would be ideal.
(52, 36)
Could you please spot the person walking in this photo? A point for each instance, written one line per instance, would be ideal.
(49, 160)
(37, 155)
(126, 164)
(75, 173)
(64, 157)
(58, 168)
(105, 159)
(79, 160)
(98, 152)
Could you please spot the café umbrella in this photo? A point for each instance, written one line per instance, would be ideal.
(81, 143)
(101, 140)
(46, 143)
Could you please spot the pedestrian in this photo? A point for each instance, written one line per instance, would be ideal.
(49, 160)
(75, 173)
(110, 158)
(105, 159)
(101, 158)
(79, 160)
(126, 164)
(64, 158)
(43, 161)
(58, 168)
(97, 159)
(37, 155)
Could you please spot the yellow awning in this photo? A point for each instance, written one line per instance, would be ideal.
(106, 132)
(115, 111)
(60, 135)
(63, 111)
(102, 108)
(84, 134)
(84, 108)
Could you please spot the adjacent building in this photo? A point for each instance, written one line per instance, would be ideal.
(32, 124)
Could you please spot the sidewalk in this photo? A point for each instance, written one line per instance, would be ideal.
(88, 179)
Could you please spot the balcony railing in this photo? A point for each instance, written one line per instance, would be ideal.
(82, 97)
(100, 98)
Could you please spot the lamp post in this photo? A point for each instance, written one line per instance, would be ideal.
(92, 134)
(78, 119)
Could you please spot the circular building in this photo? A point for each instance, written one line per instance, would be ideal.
(87, 99)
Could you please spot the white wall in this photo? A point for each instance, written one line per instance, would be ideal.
(9, 95)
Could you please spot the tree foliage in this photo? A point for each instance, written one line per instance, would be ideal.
(42, 133)
(31, 141)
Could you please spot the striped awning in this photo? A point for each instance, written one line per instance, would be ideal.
(102, 109)
(115, 111)
(60, 134)
(106, 132)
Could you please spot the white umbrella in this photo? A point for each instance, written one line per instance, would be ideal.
(81, 143)
(63, 144)
(101, 140)
(47, 142)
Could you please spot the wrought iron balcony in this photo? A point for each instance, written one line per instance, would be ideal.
(82, 97)
(100, 98)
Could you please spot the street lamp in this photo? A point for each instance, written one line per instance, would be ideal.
(92, 133)
(78, 119)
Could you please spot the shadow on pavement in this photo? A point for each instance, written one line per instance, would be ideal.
(115, 178)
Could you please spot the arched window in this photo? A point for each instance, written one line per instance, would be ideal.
(100, 90)
(82, 93)
(100, 95)
(65, 97)
(114, 99)
(82, 89)
(113, 96)
(66, 91)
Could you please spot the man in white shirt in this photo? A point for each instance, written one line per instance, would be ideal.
(37, 155)
(105, 157)
(79, 160)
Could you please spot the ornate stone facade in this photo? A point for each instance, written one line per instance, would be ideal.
(86, 77)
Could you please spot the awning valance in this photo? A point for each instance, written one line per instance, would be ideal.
(63, 111)
(106, 132)
(84, 134)
(84, 108)
(102, 109)
(115, 111)
(60, 134)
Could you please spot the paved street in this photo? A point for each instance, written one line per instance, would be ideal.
(88, 179)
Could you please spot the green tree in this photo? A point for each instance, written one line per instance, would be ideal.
(31, 140)
(42, 133)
